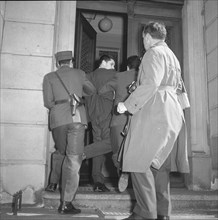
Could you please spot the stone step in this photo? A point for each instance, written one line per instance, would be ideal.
(86, 198)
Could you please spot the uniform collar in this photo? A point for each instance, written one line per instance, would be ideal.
(64, 67)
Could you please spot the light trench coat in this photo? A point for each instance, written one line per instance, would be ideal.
(157, 116)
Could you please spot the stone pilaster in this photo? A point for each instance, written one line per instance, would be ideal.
(195, 78)
(65, 25)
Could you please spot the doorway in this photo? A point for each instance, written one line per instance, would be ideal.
(92, 42)
(124, 40)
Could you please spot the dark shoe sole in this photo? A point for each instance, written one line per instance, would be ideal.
(50, 190)
(70, 212)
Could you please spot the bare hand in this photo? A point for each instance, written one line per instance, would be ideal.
(121, 108)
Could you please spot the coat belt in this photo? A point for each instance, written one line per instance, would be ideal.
(167, 88)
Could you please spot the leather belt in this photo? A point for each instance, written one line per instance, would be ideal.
(61, 101)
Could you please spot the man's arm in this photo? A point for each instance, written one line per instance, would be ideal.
(88, 87)
(110, 86)
(47, 94)
(150, 76)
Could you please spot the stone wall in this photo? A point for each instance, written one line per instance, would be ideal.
(27, 42)
(211, 46)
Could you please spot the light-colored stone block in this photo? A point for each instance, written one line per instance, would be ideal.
(23, 106)
(31, 39)
(2, 14)
(201, 169)
(1, 27)
(211, 10)
(24, 143)
(211, 36)
(2, 9)
(51, 143)
(212, 64)
(21, 176)
(28, 196)
(213, 122)
(24, 72)
(213, 92)
(214, 151)
(31, 11)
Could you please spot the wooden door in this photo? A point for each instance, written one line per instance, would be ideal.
(85, 47)
(85, 44)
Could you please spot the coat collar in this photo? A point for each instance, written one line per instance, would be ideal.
(160, 43)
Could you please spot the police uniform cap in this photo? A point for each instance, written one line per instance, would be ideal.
(64, 55)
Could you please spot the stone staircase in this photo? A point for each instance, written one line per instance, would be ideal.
(182, 198)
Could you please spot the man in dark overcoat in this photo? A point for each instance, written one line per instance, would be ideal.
(99, 108)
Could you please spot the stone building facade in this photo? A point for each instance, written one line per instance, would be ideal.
(32, 31)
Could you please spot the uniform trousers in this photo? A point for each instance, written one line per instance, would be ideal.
(92, 150)
(69, 144)
(152, 192)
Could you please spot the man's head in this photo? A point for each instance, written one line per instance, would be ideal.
(133, 62)
(153, 32)
(106, 62)
(64, 58)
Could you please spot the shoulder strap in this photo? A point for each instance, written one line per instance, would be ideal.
(62, 83)
(183, 86)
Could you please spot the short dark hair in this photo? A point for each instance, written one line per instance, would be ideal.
(106, 58)
(133, 62)
(156, 30)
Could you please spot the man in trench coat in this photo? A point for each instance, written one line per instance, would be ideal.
(155, 125)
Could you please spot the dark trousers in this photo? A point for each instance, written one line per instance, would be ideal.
(116, 140)
(152, 192)
(69, 144)
(98, 148)
(101, 133)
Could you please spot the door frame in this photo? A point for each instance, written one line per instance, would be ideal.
(125, 34)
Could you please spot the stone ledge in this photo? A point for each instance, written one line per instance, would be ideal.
(181, 198)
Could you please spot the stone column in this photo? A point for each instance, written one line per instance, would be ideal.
(196, 82)
(64, 37)
(65, 25)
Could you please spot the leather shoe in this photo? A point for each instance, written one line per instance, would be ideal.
(51, 187)
(68, 208)
(136, 217)
(123, 182)
(100, 187)
(162, 217)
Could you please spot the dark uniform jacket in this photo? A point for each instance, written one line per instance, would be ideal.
(76, 82)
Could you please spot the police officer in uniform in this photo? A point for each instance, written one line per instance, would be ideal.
(67, 130)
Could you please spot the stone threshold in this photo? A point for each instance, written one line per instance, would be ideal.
(86, 198)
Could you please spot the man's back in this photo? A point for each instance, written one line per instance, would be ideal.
(100, 105)
(54, 91)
